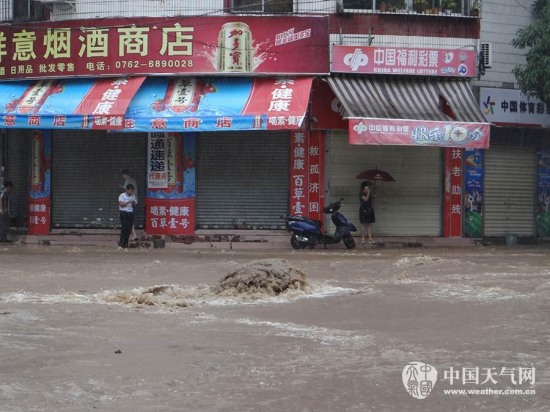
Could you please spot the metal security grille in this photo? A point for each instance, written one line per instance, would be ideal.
(410, 206)
(86, 174)
(17, 170)
(242, 180)
(510, 183)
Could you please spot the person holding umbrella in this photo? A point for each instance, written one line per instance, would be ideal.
(366, 211)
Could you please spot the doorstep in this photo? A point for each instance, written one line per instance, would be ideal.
(237, 239)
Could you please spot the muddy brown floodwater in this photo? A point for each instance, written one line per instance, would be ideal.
(463, 329)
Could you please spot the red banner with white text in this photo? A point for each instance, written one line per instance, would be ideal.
(453, 192)
(39, 193)
(168, 45)
(170, 216)
(419, 133)
(307, 174)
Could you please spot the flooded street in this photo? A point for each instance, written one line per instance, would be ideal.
(94, 329)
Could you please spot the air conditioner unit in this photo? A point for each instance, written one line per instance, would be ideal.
(486, 54)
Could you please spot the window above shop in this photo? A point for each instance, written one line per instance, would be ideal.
(432, 7)
(262, 6)
(23, 10)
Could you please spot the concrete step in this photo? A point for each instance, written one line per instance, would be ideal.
(238, 240)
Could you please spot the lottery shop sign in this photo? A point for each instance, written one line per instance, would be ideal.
(419, 133)
(404, 61)
(190, 45)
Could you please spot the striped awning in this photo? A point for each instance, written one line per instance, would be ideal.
(401, 110)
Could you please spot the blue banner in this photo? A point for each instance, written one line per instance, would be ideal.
(474, 192)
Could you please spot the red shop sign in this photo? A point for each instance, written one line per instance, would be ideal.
(175, 45)
(404, 61)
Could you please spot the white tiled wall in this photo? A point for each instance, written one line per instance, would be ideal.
(501, 19)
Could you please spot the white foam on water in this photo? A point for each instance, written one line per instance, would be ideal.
(418, 260)
(313, 291)
(28, 297)
(474, 293)
(175, 296)
(319, 334)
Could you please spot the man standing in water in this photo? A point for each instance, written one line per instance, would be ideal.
(126, 203)
(5, 211)
(129, 180)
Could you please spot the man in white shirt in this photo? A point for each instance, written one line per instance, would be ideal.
(129, 180)
(126, 203)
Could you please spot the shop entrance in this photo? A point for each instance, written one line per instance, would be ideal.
(410, 206)
(510, 183)
(86, 174)
(242, 180)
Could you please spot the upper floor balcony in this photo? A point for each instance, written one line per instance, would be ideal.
(36, 10)
(432, 18)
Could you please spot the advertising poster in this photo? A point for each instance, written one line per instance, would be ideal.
(157, 161)
(316, 175)
(419, 133)
(238, 45)
(67, 103)
(298, 174)
(543, 193)
(39, 194)
(307, 174)
(473, 193)
(217, 104)
(154, 104)
(453, 192)
(170, 202)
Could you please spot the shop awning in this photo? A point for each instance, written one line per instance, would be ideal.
(411, 111)
(157, 103)
(67, 103)
(218, 104)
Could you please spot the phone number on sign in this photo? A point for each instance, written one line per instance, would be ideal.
(134, 64)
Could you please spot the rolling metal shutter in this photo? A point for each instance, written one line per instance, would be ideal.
(410, 206)
(86, 176)
(17, 170)
(510, 183)
(242, 180)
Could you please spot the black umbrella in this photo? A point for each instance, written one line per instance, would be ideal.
(376, 175)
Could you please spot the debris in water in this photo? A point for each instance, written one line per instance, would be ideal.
(268, 276)
(160, 295)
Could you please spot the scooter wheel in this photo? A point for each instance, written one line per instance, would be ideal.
(296, 244)
(349, 242)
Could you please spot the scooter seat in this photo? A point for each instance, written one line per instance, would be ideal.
(317, 222)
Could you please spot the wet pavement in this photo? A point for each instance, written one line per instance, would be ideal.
(76, 333)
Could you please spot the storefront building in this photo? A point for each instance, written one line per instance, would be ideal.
(203, 120)
(229, 127)
(415, 126)
(516, 169)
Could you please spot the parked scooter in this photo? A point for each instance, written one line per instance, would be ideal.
(307, 232)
